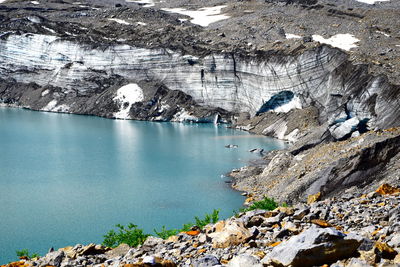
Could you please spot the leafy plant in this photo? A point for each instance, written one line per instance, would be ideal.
(25, 253)
(186, 227)
(208, 218)
(130, 235)
(265, 204)
(164, 233)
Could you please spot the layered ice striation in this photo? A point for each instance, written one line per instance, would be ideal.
(322, 77)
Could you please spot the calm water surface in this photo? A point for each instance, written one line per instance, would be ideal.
(68, 179)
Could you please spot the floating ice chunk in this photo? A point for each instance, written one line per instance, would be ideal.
(343, 41)
(50, 106)
(120, 21)
(126, 96)
(145, 3)
(141, 23)
(295, 103)
(203, 16)
(292, 36)
(371, 2)
(35, 2)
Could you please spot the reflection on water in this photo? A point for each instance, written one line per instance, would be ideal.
(68, 179)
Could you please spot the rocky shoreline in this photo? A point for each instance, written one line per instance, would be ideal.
(320, 74)
(352, 230)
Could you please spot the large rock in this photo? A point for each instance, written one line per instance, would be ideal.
(206, 261)
(232, 234)
(244, 261)
(53, 258)
(315, 246)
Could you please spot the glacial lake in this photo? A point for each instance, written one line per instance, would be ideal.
(68, 179)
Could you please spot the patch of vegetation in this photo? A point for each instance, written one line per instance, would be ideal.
(134, 236)
(164, 233)
(187, 226)
(265, 204)
(25, 253)
(208, 218)
(130, 235)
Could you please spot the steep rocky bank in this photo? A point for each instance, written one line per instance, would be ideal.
(353, 230)
(321, 74)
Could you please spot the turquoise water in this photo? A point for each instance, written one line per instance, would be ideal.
(68, 179)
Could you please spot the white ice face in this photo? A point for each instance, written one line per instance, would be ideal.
(120, 21)
(146, 3)
(295, 103)
(371, 2)
(345, 41)
(126, 96)
(203, 16)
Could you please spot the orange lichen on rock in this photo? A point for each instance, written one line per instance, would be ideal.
(314, 198)
(16, 264)
(275, 244)
(321, 223)
(193, 233)
(386, 189)
(385, 251)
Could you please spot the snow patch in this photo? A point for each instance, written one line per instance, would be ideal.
(61, 108)
(45, 92)
(343, 41)
(293, 136)
(203, 16)
(383, 33)
(126, 96)
(295, 103)
(120, 21)
(145, 3)
(48, 29)
(141, 23)
(371, 2)
(163, 107)
(35, 2)
(50, 106)
(292, 36)
(1, 1)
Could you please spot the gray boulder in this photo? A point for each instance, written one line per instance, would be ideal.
(54, 258)
(244, 261)
(315, 246)
(207, 260)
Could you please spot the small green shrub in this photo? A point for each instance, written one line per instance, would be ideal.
(265, 204)
(186, 227)
(25, 253)
(130, 235)
(164, 233)
(208, 218)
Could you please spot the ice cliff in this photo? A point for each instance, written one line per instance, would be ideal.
(321, 77)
